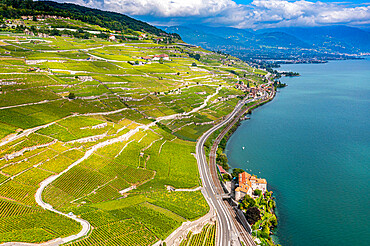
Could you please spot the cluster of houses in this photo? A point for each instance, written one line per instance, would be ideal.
(248, 184)
(35, 69)
(156, 57)
(148, 59)
(43, 17)
(112, 37)
(253, 91)
(85, 78)
(40, 35)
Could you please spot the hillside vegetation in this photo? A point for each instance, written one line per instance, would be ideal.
(116, 120)
(110, 20)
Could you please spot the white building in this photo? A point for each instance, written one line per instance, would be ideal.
(248, 184)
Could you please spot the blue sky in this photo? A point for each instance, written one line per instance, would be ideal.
(325, 1)
(254, 14)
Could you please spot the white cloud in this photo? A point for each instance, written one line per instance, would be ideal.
(169, 8)
(258, 14)
(275, 13)
(344, 15)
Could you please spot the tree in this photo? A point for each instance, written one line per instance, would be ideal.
(221, 159)
(194, 64)
(197, 57)
(226, 177)
(257, 192)
(71, 95)
(236, 172)
(272, 204)
(264, 234)
(274, 221)
(247, 202)
(268, 194)
(252, 215)
(54, 32)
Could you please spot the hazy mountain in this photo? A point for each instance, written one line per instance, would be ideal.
(277, 43)
(338, 38)
(281, 39)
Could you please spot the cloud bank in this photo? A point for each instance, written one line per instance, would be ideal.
(257, 14)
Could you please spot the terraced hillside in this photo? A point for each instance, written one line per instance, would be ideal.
(102, 130)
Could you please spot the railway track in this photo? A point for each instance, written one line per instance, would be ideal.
(242, 233)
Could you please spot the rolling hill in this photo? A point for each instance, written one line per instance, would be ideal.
(105, 19)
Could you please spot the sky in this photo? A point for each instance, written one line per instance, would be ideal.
(255, 14)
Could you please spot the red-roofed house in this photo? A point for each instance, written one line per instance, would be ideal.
(112, 37)
(248, 184)
(163, 56)
(220, 168)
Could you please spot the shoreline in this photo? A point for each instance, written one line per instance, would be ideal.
(323, 116)
(236, 123)
(212, 155)
(233, 127)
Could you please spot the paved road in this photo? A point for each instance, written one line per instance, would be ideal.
(227, 234)
(225, 231)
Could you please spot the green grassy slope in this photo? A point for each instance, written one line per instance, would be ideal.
(77, 98)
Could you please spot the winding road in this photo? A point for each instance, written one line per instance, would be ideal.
(227, 232)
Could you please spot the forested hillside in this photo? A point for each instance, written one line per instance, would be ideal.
(110, 20)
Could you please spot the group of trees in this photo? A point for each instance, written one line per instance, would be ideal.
(195, 56)
(255, 211)
(278, 84)
(290, 74)
(236, 172)
(221, 158)
(105, 19)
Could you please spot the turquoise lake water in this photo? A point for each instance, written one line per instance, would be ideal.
(312, 144)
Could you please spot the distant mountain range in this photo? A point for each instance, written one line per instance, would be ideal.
(279, 43)
(335, 38)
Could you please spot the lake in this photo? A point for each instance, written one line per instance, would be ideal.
(312, 144)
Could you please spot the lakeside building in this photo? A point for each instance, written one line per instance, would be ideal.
(221, 169)
(248, 184)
